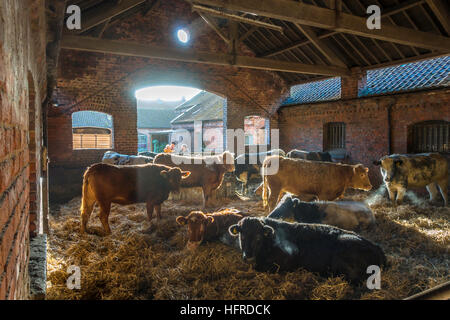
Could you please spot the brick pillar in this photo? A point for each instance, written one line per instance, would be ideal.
(350, 85)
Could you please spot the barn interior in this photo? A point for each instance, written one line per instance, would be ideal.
(312, 69)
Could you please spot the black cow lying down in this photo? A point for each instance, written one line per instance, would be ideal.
(349, 215)
(282, 246)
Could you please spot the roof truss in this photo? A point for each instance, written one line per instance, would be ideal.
(310, 15)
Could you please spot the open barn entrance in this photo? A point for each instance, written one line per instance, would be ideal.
(186, 119)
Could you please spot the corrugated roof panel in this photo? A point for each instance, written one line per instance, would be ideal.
(324, 90)
(424, 74)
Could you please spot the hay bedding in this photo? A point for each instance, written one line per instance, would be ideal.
(143, 260)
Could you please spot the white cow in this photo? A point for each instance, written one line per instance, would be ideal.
(112, 157)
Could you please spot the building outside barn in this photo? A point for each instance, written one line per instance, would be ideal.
(318, 78)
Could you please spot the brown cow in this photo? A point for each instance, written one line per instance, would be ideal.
(310, 179)
(206, 172)
(210, 226)
(105, 184)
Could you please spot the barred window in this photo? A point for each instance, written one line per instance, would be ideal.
(91, 141)
(334, 136)
(430, 136)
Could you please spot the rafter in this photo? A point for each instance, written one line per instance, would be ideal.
(320, 45)
(325, 18)
(442, 11)
(237, 18)
(127, 48)
(405, 5)
(210, 22)
(94, 18)
(384, 14)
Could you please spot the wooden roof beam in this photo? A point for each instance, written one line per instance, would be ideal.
(442, 11)
(237, 18)
(210, 22)
(93, 19)
(127, 48)
(305, 14)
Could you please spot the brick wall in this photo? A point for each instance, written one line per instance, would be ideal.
(106, 83)
(366, 120)
(22, 88)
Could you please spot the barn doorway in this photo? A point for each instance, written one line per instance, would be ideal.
(191, 118)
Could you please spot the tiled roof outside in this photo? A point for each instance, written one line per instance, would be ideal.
(199, 98)
(204, 106)
(155, 118)
(324, 90)
(92, 119)
(429, 73)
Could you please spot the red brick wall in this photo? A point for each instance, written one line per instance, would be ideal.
(82, 78)
(366, 120)
(22, 88)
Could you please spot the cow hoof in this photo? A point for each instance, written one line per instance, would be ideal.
(149, 229)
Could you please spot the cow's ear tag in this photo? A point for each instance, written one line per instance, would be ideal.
(234, 230)
(164, 173)
(185, 174)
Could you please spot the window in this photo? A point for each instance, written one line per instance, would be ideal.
(255, 129)
(334, 136)
(142, 142)
(429, 136)
(183, 35)
(92, 130)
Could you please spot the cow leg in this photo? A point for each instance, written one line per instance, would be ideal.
(392, 194)
(206, 196)
(158, 211)
(275, 192)
(104, 215)
(400, 193)
(149, 210)
(86, 213)
(443, 187)
(433, 191)
(280, 196)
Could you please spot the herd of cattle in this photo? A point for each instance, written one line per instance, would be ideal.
(304, 189)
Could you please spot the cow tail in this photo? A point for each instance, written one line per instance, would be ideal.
(86, 192)
(265, 190)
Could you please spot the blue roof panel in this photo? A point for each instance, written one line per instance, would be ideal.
(431, 73)
(324, 90)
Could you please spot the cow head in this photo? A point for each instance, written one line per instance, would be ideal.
(285, 208)
(228, 161)
(254, 236)
(174, 177)
(196, 222)
(360, 178)
(390, 167)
